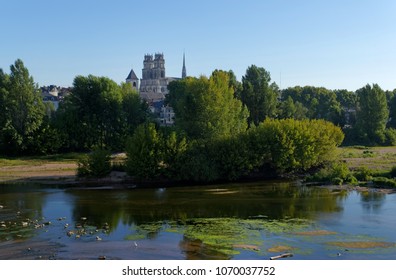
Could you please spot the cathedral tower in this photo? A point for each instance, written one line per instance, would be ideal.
(133, 80)
(184, 71)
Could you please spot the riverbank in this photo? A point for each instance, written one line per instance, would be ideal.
(62, 169)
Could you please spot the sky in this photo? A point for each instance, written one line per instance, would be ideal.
(337, 44)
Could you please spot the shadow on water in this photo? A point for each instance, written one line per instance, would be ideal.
(247, 221)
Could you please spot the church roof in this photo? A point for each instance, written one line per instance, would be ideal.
(132, 76)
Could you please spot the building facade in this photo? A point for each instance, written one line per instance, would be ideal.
(153, 86)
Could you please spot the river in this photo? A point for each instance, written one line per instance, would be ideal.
(232, 221)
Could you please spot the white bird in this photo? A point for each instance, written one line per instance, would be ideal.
(135, 243)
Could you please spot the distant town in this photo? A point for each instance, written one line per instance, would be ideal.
(152, 87)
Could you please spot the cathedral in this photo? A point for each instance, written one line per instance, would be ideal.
(153, 86)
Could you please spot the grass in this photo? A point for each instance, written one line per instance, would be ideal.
(40, 160)
(378, 159)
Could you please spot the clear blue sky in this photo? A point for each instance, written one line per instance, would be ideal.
(335, 43)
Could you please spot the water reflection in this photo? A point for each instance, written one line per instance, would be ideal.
(147, 206)
(212, 222)
(372, 201)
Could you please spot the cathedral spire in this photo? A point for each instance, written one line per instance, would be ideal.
(184, 71)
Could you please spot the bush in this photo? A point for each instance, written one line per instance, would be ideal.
(363, 174)
(83, 167)
(337, 173)
(384, 182)
(337, 181)
(390, 136)
(96, 164)
(392, 173)
(144, 152)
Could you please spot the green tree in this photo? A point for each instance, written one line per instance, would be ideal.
(372, 114)
(134, 109)
(21, 108)
(392, 109)
(320, 102)
(290, 109)
(145, 152)
(291, 145)
(206, 108)
(258, 95)
(100, 113)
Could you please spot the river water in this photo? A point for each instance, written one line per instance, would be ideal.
(231, 221)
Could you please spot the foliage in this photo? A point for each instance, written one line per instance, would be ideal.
(392, 172)
(364, 174)
(289, 109)
(390, 137)
(281, 145)
(320, 103)
(372, 114)
(96, 164)
(337, 173)
(22, 110)
(144, 152)
(259, 96)
(99, 112)
(384, 182)
(298, 145)
(173, 148)
(205, 108)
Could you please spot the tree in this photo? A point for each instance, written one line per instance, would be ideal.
(100, 113)
(392, 109)
(135, 110)
(290, 109)
(372, 114)
(21, 108)
(144, 152)
(320, 102)
(258, 95)
(205, 108)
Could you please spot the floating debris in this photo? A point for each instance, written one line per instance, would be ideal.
(66, 225)
(47, 223)
(83, 218)
(106, 226)
(24, 224)
(70, 233)
(98, 238)
(101, 257)
(286, 255)
(1, 206)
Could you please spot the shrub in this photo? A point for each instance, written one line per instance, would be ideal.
(384, 182)
(83, 167)
(144, 152)
(390, 136)
(337, 181)
(363, 174)
(336, 173)
(96, 164)
(392, 173)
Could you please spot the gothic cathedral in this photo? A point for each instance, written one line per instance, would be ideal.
(153, 87)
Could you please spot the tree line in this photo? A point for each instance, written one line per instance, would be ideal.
(224, 128)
